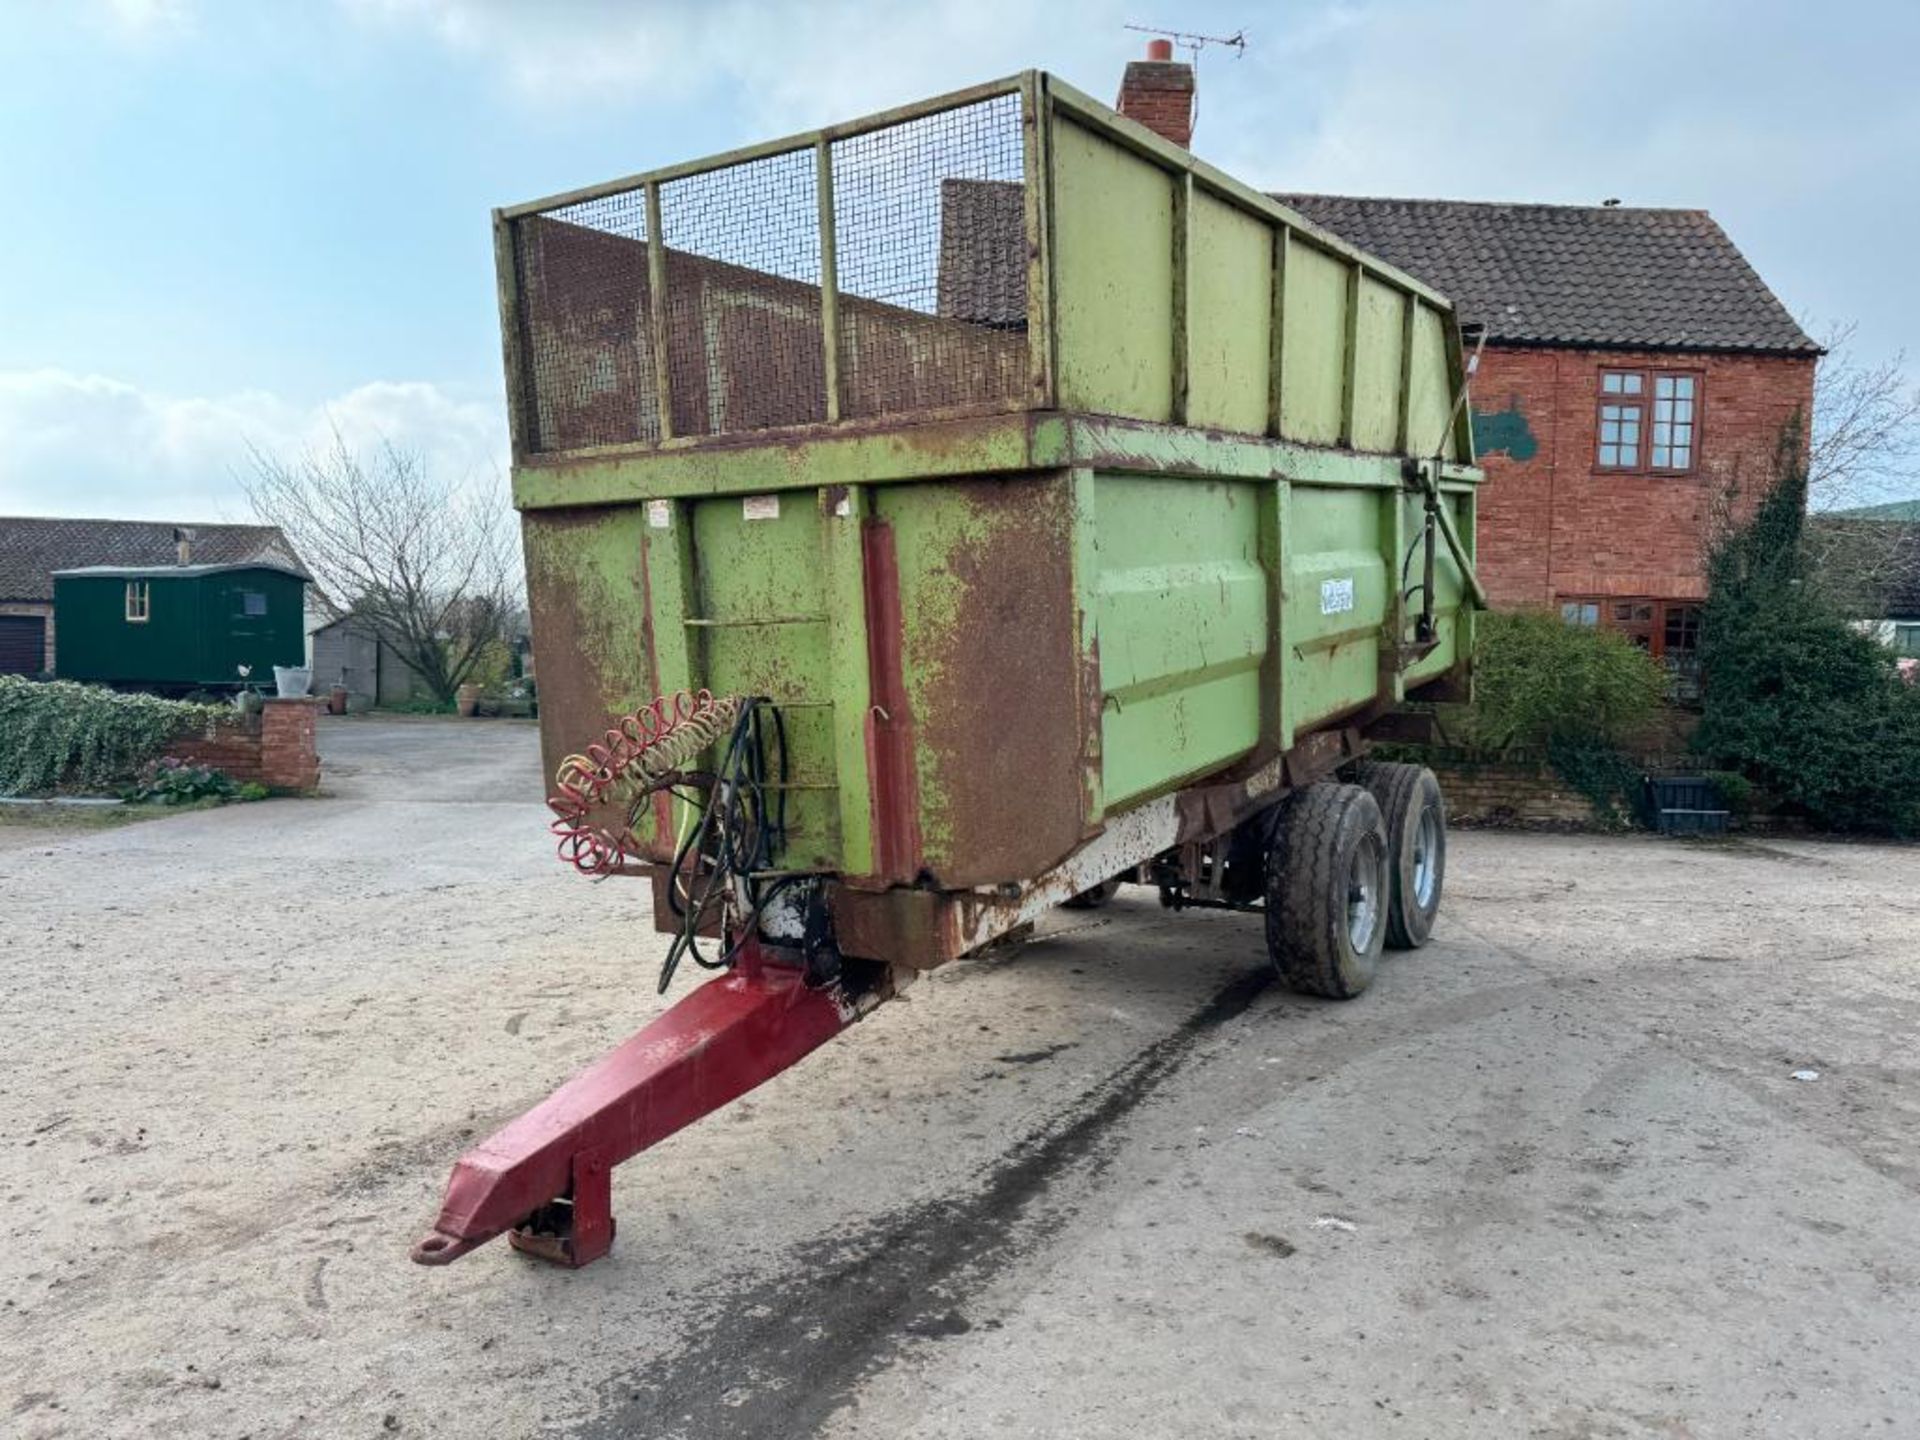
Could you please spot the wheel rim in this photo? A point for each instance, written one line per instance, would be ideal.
(1366, 885)
(1426, 858)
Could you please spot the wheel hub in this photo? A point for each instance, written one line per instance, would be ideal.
(1426, 856)
(1365, 888)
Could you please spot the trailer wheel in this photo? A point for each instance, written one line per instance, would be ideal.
(1327, 890)
(1416, 815)
(1094, 898)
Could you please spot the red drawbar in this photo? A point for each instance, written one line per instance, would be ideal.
(721, 1041)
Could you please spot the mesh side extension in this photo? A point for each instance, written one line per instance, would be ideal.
(587, 355)
(744, 331)
(930, 230)
(931, 269)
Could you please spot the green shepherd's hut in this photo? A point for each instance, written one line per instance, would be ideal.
(181, 627)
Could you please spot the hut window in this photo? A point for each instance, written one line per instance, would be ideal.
(253, 602)
(139, 602)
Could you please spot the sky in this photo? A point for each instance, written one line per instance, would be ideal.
(244, 223)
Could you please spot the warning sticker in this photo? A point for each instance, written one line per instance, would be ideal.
(760, 507)
(660, 514)
(1336, 596)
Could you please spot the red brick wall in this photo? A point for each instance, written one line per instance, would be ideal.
(1550, 525)
(276, 748)
(1159, 95)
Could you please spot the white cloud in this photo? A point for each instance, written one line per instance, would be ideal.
(88, 445)
(142, 20)
(794, 64)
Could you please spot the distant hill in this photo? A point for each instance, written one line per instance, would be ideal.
(1896, 510)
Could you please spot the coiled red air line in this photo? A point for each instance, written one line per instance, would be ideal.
(646, 747)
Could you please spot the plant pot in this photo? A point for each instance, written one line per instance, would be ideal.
(292, 681)
(466, 700)
(337, 700)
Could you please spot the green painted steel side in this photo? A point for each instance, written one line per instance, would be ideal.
(762, 627)
(1113, 278)
(1361, 357)
(1071, 641)
(197, 631)
(1180, 608)
(1230, 310)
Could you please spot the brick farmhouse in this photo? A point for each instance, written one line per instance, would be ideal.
(1634, 384)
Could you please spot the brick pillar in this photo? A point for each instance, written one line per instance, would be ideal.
(289, 748)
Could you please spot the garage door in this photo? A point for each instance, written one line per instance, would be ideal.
(23, 644)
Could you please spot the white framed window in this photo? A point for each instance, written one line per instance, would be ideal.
(1585, 613)
(139, 602)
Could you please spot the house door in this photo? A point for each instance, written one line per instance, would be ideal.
(23, 644)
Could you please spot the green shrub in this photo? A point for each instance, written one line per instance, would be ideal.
(1540, 682)
(168, 781)
(59, 735)
(1792, 696)
(1736, 789)
(1612, 782)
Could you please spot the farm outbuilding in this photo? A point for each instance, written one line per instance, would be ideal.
(348, 652)
(34, 549)
(179, 626)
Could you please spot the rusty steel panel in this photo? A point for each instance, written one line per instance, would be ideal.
(990, 649)
(585, 592)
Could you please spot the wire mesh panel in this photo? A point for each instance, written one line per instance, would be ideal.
(930, 264)
(587, 356)
(930, 228)
(745, 341)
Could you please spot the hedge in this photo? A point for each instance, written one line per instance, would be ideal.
(57, 735)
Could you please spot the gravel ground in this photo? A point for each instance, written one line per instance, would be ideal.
(1553, 1176)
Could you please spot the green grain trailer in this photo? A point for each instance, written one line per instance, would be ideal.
(1047, 509)
(178, 627)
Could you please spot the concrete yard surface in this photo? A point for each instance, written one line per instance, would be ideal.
(1553, 1176)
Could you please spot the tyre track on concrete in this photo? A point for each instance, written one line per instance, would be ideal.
(777, 1356)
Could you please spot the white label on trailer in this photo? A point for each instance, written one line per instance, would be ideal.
(660, 514)
(760, 507)
(1336, 596)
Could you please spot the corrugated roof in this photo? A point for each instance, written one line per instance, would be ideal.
(32, 549)
(180, 572)
(1587, 275)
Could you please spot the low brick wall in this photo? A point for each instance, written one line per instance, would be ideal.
(277, 747)
(1509, 792)
(1526, 789)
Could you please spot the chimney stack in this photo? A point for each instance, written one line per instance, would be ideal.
(1158, 93)
(183, 545)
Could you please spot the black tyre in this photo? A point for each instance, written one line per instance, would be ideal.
(1327, 889)
(1416, 817)
(1094, 898)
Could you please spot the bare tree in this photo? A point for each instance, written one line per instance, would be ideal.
(1865, 447)
(427, 563)
(1866, 428)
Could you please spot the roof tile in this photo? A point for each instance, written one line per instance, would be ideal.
(32, 549)
(1573, 274)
